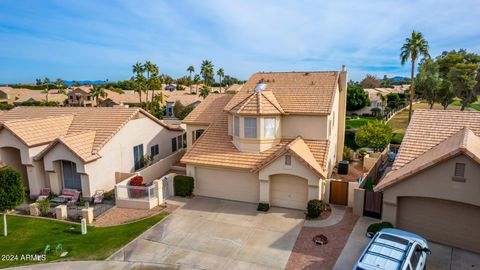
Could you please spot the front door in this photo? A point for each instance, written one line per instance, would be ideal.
(71, 178)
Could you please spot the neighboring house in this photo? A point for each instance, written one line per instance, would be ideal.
(81, 148)
(434, 186)
(272, 142)
(184, 97)
(128, 97)
(16, 96)
(376, 101)
(80, 97)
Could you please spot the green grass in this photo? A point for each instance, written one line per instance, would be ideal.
(357, 123)
(30, 235)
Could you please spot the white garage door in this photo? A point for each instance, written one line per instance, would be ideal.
(224, 184)
(289, 191)
(447, 222)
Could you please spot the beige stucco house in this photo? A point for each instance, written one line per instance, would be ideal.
(81, 148)
(433, 188)
(271, 142)
(80, 97)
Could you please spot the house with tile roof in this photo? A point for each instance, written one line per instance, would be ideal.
(80, 97)
(274, 141)
(16, 96)
(375, 100)
(433, 187)
(81, 148)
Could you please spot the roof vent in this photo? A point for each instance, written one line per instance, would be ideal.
(260, 87)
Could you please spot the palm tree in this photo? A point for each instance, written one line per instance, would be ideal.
(191, 70)
(206, 71)
(59, 83)
(98, 91)
(220, 74)
(383, 99)
(196, 81)
(46, 82)
(414, 47)
(138, 78)
(204, 91)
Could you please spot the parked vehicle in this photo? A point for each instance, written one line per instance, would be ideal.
(393, 249)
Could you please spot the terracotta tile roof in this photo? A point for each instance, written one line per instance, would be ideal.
(431, 127)
(81, 144)
(258, 103)
(19, 95)
(302, 151)
(42, 125)
(183, 96)
(464, 141)
(296, 92)
(38, 131)
(209, 110)
(215, 148)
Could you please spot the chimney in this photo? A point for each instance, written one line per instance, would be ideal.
(342, 110)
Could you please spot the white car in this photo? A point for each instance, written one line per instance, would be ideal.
(392, 249)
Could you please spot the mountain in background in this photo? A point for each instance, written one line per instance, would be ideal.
(71, 83)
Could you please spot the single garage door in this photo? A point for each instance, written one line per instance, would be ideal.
(447, 222)
(289, 191)
(225, 184)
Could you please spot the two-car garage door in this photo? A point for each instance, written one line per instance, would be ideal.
(447, 222)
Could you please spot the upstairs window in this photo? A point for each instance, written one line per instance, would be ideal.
(154, 150)
(174, 144)
(269, 127)
(236, 126)
(250, 127)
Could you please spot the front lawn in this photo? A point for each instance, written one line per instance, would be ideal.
(30, 236)
(357, 123)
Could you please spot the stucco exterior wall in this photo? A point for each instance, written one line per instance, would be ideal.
(435, 182)
(310, 127)
(332, 127)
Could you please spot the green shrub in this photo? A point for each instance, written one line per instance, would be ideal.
(375, 227)
(263, 207)
(347, 153)
(315, 208)
(348, 127)
(183, 185)
(397, 138)
(44, 207)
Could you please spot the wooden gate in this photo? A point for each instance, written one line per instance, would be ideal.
(372, 205)
(339, 192)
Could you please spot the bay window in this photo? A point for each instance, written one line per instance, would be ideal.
(250, 127)
(269, 127)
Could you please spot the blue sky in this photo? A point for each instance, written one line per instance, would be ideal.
(80, 40)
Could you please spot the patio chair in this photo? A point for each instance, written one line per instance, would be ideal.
(75, 197)
(68, 194)
(44, 193)
(98, 197)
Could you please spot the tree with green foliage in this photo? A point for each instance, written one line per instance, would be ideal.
(393, 101)
(220, 74)
(46, 82)
(185, 111)
(357, 98)
(463, 79)
(415, 47)
(383, 100)
(12, 193)
(138, 80)
(190, 70)
(206, 70)
(370, 81)
(59, 83)
(445, 94)
(375, 134)
(204, 91)
(196, 80)
(428, 81)
(98, 91)
(177, 107)
(385, 83)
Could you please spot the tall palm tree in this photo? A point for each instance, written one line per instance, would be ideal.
(196, 81)
(46, 82)
(59, 83)
(383, 99)
(204, 91)
(206, 71)
(191, 70)
(138, 79)
(220, 74)
(98, 91)
(415, 46)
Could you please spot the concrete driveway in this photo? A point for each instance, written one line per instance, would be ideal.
(210, 233)
(442, 257)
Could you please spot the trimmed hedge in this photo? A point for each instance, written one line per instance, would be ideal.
(315, 208)
(183, 185)
(263, 207)
(375, 227)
